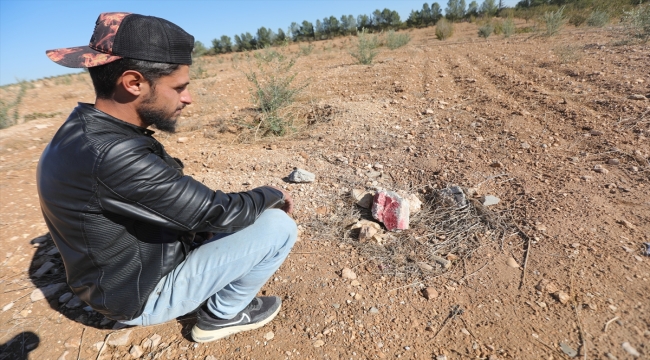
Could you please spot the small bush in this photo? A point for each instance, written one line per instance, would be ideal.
(444, 29)
(486, 30)
(554, 21)
(598, 18)
(306, 50)
(273, 89)
(567, 54)
(366, 48)
(577, 19)
(498, 28)
(9, 110)
(508, 27)
(637, 22)
(395, 40)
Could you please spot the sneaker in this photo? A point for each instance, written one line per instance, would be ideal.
(257, 314)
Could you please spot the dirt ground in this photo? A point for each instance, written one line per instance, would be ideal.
(548, 125)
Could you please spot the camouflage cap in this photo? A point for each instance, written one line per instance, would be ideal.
(121, 34)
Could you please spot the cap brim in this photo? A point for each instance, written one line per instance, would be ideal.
(80, 57)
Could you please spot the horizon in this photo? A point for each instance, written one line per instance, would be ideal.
(22, 58)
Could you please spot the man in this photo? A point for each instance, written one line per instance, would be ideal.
(128, 224)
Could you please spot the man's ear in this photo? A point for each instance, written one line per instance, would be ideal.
(132, 81)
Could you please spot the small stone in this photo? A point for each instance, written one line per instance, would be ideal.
(634, 169)
(146, 344)
(441, 357)
(155, 340)
(636, 97)
(98, 345)
(367, 232)
(357, 296)
(347, 273)
(562, 297)
(374, 310)
(355, 283)
(415, 204)
(613, 161)
(430, 293)
(540, 227)
(52, 251)
(496, 164)
(489, 200)
(46, 292)
(465, 331)
(611, 356)
(40, 240)
(627, 224)
(74, 303)
(446, 264)
(512, 262)
(428, 111)
(182, 139)
(119, 339)
(301, 176)
(363, 198)
(525, 145)
(136, 351)
(269, 336)
(8, 306)
(600, 169)
(319, 343)
(586, 177)
(424, 266)
(453, 196)
(568, 350)
(43, 269)
(630, 349)
(595, 133)
(211, 357)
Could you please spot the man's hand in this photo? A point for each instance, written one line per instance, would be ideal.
(288, 200)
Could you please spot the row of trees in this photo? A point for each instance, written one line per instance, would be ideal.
(330, 27)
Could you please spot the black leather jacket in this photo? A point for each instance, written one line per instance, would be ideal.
(122, 213)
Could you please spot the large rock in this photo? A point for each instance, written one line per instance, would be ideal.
(301, 176)
(120, 339)
(391, 209)
(453, 196)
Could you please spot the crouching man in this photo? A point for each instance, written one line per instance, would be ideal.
(142, 243)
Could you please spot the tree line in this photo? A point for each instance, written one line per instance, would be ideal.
(330, 27)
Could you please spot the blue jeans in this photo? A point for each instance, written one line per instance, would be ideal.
(227, 271)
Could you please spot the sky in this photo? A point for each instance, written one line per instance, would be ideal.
(29, 27)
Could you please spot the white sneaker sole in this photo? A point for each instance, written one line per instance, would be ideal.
(211, 335)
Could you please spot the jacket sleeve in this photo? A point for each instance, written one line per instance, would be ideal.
(134, 181)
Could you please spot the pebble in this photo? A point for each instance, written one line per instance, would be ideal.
(42, 293)
(630, 349)
(415, 204)
(428, 111)
(374, 310)
(441, 357)
(600, 169)
(595, 132)
(636, 97)
(269, 336)
(347, 273)
(446, 264)
(512, 262)
(98, 345)
(424, 266)
(627, 224)
(301, 176)
(634, 169)
(489, 200)
(182, 139)
(73, 342)
(496, 164)
(611, 356)
(65, 298)
(586, 178)
(120, 339)
(613, 161)
(8, 306)
(136, 351)
(155, 340)
(562, 297)
(355, 283)
(465, 331)
(211, 357)
(39, 240)
(74, 303)
(430, 293)
(568, 350)
(43, 269)
(525, 145)
(319, 343)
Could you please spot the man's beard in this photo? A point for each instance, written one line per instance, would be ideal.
(156, 117)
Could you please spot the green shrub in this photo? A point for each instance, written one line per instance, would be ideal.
(637, 22)
(9, 110)
(444, 29)
(486, 30)
(598, 18)
(395, 40)
(366, 48)
(576, 19)
(554, 21)
(508, 27)
(306, 50)
(498, 28)
(273, 89)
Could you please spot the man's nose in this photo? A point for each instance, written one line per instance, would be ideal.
(186, 98)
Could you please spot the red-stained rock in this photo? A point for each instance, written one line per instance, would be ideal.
(391, 209)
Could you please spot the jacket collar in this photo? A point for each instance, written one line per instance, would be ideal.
(89, 109)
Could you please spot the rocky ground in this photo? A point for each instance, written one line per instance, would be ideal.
(556, 128)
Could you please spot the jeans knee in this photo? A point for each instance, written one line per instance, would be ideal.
(278, 222)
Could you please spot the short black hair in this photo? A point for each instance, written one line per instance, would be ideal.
(105, 77)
